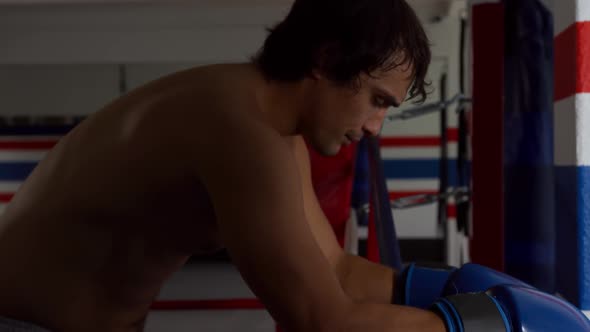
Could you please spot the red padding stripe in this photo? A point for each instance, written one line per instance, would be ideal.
(400, 194)
(572, 63)
(6, 197)
(229, 304)
(27, 145)
(451, 211)
(452, 135)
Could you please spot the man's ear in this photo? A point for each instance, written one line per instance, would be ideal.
(322, 56)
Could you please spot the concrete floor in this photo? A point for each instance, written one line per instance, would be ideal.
(208, 281)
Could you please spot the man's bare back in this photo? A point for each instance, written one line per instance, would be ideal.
(114, 209)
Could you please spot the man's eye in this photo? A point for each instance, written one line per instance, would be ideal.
(380, 102)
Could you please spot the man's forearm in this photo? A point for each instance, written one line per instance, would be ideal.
(365, 281)
(370, 286)
(369, 317)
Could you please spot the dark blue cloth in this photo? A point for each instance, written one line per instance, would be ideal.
(529, 198)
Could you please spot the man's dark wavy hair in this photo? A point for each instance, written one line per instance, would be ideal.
(345, 38)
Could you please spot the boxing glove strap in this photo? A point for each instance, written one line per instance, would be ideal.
(416, 285)
(472, 312)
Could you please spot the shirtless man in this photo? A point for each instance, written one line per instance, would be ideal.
(213, 157)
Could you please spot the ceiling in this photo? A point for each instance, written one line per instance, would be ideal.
(426, 9)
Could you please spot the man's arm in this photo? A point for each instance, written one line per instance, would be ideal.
(255, 188)
(361, 279)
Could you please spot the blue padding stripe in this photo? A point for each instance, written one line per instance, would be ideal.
(15, 171)
(583, 254)
(418, 169)
(35, 130)
(572, 185)
(566, 246)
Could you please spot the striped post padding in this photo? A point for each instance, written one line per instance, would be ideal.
(572, 149)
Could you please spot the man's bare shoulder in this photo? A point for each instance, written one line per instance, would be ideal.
(218, 93)
(217, 115)
(200, 104)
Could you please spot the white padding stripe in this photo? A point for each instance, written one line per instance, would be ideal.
(564, 15)
(571, 135)
(22, 156)
(9, 186)
(363, 232)
(568, 12)
(587, 313)
(416, 152)
(583, 10)
(583, 128)
(564, 138)
(412, 185)
(417, 223)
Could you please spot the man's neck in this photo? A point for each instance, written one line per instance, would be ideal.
(283, 103)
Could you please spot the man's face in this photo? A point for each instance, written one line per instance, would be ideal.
(339, 115)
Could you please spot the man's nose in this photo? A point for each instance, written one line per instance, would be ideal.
(373, 124)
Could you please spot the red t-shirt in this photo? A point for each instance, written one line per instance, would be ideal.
(332, 179)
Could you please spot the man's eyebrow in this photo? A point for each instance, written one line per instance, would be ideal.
(389, 99)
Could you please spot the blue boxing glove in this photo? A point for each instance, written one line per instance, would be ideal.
(478, 278)
(419, 285)
(509, 309)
